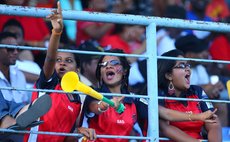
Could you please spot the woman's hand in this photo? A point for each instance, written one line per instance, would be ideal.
(89, 133)
(208, 116)
(117, 101)
(56, 19)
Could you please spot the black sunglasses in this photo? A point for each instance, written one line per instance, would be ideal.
(182, 66)
(112, 63)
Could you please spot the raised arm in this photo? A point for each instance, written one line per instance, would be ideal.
(51, 55)
(172, 115)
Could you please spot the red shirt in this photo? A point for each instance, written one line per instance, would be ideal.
(220, 49)
(82, 35)
(113, 123)
(192, 128)
(217, 9)
(35, 29)
(60, 118)
(116, 42)
(110, 122)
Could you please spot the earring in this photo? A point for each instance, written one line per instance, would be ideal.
(171, 89)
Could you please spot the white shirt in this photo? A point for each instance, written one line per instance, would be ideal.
(17, 80)
(165, 43)
(199, 76)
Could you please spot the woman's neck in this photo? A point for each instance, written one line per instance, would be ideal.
(115, 89)
(177, 93)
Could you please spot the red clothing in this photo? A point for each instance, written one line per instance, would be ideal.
(82, 35)
(217, 9)
(110, 122)
(116, 42)
(220, 49)
(60, 118)
(192, 128)
(113, 123)
(35, 29)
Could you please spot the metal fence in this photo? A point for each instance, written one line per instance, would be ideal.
(151, 54)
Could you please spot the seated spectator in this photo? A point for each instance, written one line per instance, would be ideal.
(112, 73)
(89, 62)
(93, 30)
(36, 34)
(11, 76)
(174, 81)
(15, 27)
(122, 37)
(25, 61)
(66, 109)
(197, 12)
(166, 36)
(19, 116)
(220, 50)
(217, 9)
(197, 48)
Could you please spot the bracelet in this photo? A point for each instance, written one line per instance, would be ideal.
(99, 109)
(55, 33)
(189, 116)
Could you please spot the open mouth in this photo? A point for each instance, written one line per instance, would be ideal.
(62, 70)
(187, 77)
(110, 75)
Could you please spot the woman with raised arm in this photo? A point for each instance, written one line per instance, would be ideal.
(65, 108)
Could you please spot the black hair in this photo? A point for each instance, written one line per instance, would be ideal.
(13, 22)
(165, 66)
(4, 35)
(175, 11)
(119, 28)
(76, 56)
(89, 45)
(124, 62)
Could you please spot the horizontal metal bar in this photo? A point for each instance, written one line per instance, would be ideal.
(194, 100)
(113, 94)
(193, 59)
(75, 92)
(70, 134)
(73, 51)
(114, 54)
(166, 139)
(116, 18)
(77, 134)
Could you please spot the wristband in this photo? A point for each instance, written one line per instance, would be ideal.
(55, 33)
(99, 109)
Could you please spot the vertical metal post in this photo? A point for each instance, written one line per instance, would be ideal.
(151, 50)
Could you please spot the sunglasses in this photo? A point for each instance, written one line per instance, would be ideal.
(182, 66)
(111, 63)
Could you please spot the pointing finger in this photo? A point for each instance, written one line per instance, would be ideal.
(59, 10)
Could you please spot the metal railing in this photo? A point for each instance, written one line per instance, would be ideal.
(151, 55)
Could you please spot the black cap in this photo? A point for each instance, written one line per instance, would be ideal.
(90, 45)
(190, 43)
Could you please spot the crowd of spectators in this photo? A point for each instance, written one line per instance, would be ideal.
(98, 36)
